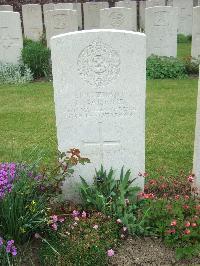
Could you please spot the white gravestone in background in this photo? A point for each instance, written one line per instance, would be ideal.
(11, 42)
(92, 14)
(196, 158)
(60, 21)
(196, 33)
(77, 7)
(152, 3)
(133, 6)
(185, 16)
(99, 79)
(142, 6)
(32, 21)
(161, 29)
(120, 18)
(6, 8)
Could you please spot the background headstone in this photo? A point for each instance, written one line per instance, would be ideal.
(152, 3)
(77, 7)
(142, 6)
(196, 158)
(169, 2)
(120, 18)
(32, 21)
(99, 92)
(63, 6)
(11, 42)
(6, 8)
(60, 21)
(133, 6)
(184, 16)
(92, 14)
(161, 30)
(196, 33)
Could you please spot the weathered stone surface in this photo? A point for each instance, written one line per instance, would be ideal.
(60, 21)
(92, 14)
(63, 6)
(161, 30)
(196, 33)
(133, 6)
(6, 8)
(32, 21)
(184, 16)
(196, 158)
(99, 93)
(142, 6)
(120, 18)
(11, 41)
(152, 3)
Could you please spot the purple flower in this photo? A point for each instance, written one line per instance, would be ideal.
(110, 253)
(75, 213)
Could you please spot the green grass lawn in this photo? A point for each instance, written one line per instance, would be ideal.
(27, 123)
(184, 50)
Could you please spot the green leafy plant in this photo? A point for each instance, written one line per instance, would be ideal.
(184, 39)
(192, 65)
(112, 196)
(38, 58)
(165, 68)
(13, 74)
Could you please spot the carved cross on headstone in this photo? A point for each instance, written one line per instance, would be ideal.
(103, 143)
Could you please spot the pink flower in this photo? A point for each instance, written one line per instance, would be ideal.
(187, 224)
(194, 225)
(95, 226)
(171, 231)
(61, 220)
(54, 218)
(186, 197)
(110, 253)
(191, 178)
(177, 197)
(84, 215)
(119, 221)
(173, 223)
(187, 232)
(54, 226)
(186, 207)
(75, 213)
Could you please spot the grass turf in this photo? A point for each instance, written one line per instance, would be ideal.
(184, 50)
(27, 123)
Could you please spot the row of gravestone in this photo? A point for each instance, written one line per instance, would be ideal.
(92, 18)
(161, 26)
(99, 95)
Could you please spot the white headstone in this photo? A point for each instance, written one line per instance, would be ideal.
(152, 3)
(63, 6)
(196, 33)
(161, 29)
(169, 2)
(77, 7)
(11, 42)
(6, 8)
(196, 3)
(120, 18)
(92, 14)
(32, 21)
(185, 16)
(196, 158)
(60, 21)
(133, 6)
(99, 94)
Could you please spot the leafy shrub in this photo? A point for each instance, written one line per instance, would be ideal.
(13, 74)
(112, 196)
(184, 39)
(173, 213)
(192, 65)
(22, 206)
(83, 239)
(37, 57)
(165, 68)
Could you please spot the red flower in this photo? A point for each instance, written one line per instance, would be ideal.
(173, 223)
(187, 224)
(187, 232)
(171, 231)
(193, 224)
(177, 197)
(186, 197)
(191, 178)
(186, 207)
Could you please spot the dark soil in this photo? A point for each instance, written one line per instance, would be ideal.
(147, 251)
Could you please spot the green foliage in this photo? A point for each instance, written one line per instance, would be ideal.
(112, 196)
(192, 65)
(80, 243)
(37, 57)
(13, 74)
(23, 210)
(184, 39)
(165, 68)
